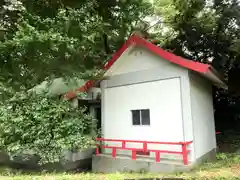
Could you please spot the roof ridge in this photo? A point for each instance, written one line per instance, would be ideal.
(166, 55)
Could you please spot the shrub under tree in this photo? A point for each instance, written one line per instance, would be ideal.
(44, 125)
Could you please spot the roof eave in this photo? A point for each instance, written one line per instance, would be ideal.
(216, 78)
(203, 69)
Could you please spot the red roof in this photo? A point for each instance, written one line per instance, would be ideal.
(136, 40)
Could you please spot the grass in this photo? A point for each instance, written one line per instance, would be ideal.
(226, 167)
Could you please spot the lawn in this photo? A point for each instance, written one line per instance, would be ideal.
(226, 167)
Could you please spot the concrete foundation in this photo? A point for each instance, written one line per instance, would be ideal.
(208, 157)
(107, 164)
(29, 162)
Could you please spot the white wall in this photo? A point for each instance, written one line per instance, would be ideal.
(202, 114)
(161, 97)
(169, 99)
(138, 59)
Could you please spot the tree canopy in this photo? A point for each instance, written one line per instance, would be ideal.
(206, 31)
(50, 40)
(45, 39)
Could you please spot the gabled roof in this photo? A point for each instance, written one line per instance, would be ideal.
(204, 69)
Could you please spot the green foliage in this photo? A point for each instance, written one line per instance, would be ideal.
(45, 126)
(43, 48)
(208, 32)
(43, 40)
(202, 30)
(49, 39)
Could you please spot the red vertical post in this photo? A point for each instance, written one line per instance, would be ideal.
(123, 144)
(97, 150)
(185, 154)
(114, 152)
(145, 147)
(134, 154)
(157, 154)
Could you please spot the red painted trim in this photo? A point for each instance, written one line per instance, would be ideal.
(144, 148)
(115, 56)
(157, 154)
(114, 152)
(123, 144)
(134, 154)
(184, 154)
(140, 149)
(136, 40)
(97, 150)
(149, 142)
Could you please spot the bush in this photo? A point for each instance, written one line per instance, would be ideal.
(44, 125)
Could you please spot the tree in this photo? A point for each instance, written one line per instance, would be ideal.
(53, 39)
(207, 32)
(47, 39)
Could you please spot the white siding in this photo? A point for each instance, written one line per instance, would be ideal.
(162, 97)
(187, 116)
(138, 59)
(202, 115)
(154, 83)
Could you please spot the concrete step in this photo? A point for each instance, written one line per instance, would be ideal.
(150, 159)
